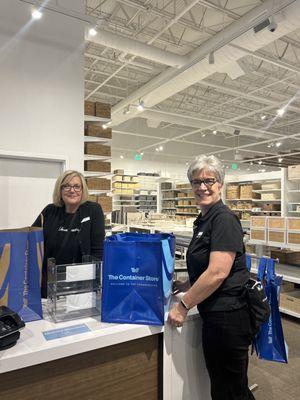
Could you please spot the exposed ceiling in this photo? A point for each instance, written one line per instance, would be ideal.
(208, 82)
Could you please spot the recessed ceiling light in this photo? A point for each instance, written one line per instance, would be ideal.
(215, 132)
(142, 153)
(280, 159)
(104, 126)
(263, 117)
(92, 32)
(161, 148)
(121, 156)
(157, 149)
(251, 163)
(259, 162)
(278, 144)
(36, 14)
(203, 134)
(280, 111)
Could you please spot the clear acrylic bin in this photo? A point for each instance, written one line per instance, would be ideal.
(74, 290)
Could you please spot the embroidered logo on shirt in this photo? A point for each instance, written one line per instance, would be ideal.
(85, 219)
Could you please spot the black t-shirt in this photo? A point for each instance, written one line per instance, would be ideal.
(219, 230)
(66, 246)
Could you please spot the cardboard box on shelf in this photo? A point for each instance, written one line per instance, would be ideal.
(232, 192)
(270, 186)
(246, 191)
(276, 223)
(291, 301)
(271, 207)
(286, 256)
(166, 185)
(258, 234)
(97, 166)
(293, 224)
(98, 184)
(103, 110)
(97, 149)
(89, 108)
(97, 131)
(276, 237)
(270, 196)
(258, 222)
(293, 238)
(294, 172)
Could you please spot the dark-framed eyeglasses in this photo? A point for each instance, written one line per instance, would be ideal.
(208, 182)
(68, 188)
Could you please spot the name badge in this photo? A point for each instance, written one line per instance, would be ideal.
(85, 219)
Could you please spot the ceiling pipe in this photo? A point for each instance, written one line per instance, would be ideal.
(136, 48)
(239, 33)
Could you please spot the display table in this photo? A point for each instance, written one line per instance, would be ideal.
(107, 362)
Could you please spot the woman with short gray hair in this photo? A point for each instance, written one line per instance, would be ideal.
(216, 264)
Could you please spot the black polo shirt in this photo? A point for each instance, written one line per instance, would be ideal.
(219, 230)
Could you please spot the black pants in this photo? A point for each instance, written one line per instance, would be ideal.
(226, 337)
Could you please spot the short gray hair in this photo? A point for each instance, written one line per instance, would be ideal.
(66, 177)
(210, 163)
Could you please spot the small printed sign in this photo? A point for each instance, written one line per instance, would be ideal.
(67, 331)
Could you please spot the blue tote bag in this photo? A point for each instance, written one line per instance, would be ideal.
(137, 278)
(21, 258)
(269, 342)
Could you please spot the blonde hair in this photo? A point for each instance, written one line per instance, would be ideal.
(64, 178)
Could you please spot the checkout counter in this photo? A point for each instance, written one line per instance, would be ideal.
(88, 359)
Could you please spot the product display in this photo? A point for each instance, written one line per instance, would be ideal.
(74, 291)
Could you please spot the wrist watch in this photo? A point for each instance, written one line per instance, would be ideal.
(184, 305)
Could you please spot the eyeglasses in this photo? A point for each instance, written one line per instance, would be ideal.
(68, 188)
(208, 182)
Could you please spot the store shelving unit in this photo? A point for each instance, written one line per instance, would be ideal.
(97, 166)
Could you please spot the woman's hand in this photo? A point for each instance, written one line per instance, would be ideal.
(177, 315)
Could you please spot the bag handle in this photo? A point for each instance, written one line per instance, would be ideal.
(271, 270)
(262, 269)
(248, 262)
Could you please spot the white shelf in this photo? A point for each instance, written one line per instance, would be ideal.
(264, 212)
(168, 190)
(186, 213)
(184, 198)
(95, 192)
(169, 199)
(294, 203)
(168, 208)
(266, 190)
(289, 312)
(90, 174)
(238, 199)
(96, 157)
(241, 209)
(290, 273)
(277, 201)
(294, 191)
(92, 118)
(189, 206)
(294, 212)
(96, 139)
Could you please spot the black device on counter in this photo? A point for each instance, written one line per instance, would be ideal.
(10, 324)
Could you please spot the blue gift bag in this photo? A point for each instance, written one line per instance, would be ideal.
(137, 278)
(21, 252)
(269, 342)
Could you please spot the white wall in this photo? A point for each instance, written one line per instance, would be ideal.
(42, 87)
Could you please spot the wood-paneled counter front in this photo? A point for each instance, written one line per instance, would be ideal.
(112, 362)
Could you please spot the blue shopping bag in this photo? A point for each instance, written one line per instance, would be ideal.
(269, 342)
(137, 278)
(21, 252)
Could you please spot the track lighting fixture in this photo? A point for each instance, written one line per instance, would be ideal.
(211, 58)
(141, 106)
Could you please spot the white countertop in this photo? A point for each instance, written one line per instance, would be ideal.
(32, 348)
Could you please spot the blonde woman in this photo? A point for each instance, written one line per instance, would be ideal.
(73, 227)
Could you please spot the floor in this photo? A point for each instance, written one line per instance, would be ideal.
(275, 380)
